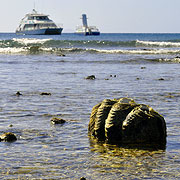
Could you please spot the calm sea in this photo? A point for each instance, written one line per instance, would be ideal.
(145, 67)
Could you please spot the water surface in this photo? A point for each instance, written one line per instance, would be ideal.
(144, 67)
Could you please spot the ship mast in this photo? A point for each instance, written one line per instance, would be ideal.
(34, 5)
(84, 20)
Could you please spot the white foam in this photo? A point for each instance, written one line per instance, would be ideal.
(174, 60)
(27, 41)
(23, 50)
(141, 51)
(163, 44)
(11, 50)
(47, 49)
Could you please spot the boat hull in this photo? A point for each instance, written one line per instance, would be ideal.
(47, 31)
(89, 33)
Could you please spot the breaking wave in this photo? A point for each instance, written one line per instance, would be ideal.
(16, 42)
(51, 50)
(33, 45)
(170, 60)
(141, 51)
(158, 44)
(26, 41)
(86, 43)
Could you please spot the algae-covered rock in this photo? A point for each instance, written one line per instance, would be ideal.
(8, 137)
(91, 77)
(122, 121)
(56, 120)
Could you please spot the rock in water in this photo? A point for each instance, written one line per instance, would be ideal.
(45, 94)
(56, 120)
(92, 77)
(124, 122)
(18, 93)
(8, 137)
(82, 178)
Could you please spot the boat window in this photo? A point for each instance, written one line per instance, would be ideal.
(42, 18)
(48, 26)
(30, 18)
(39, 26)
(29, 26)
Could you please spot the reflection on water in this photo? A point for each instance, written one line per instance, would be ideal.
(132, 163)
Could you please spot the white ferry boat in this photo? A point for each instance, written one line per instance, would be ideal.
(85, 29)
(38, 24)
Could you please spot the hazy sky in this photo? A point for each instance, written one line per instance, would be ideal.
(119, 16)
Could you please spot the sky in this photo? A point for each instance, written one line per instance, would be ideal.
(110, 16)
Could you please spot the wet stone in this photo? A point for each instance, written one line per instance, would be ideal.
(124, 122)
(18, 93)
(8, 137)
(56, 120)
(92, 77)
(82, 178)
(45, 94)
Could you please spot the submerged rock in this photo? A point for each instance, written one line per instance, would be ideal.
(18, 93)
(92, 77)
(45, 94)
(56, 120)
(8, 137)
(82, 178)
(161, 79)
(124, 122)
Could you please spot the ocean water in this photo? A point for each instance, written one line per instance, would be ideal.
(145, 67)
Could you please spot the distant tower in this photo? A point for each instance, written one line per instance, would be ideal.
(84, 20)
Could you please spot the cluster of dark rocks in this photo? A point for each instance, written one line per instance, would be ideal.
(119, 121)
(18, 93)
(11, 137)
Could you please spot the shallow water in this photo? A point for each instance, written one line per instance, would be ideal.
(46, 151)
